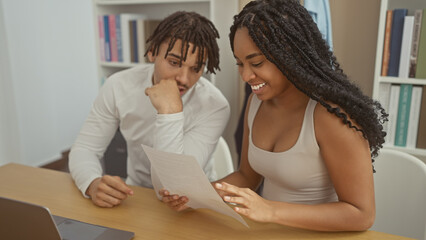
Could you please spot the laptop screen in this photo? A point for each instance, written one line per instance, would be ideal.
(22, 220)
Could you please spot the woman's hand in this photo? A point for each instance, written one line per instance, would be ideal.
(175, 202)
(251, 204)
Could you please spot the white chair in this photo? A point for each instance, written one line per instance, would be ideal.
(400, 190)
(222, 159)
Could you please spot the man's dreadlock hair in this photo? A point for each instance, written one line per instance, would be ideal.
(190, 27)
(288, 37)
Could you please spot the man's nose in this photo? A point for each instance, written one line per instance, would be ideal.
(183, 76)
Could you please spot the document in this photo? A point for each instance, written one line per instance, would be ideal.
(181, 174)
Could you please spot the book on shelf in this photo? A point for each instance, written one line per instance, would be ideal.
(101, 38)
(125, 33)
(113, 38)
(403, 115)
(413, 122)
(421, 57)
(140, 31)
(133, 41)
(144, 29)
(124, 36)
(384, 95)
(119, 38)
(415, 43)
(107, 40)
(396, 41)
(393, 115)
(421, 131)
(384, 90)
(407, 38)
(386, 43)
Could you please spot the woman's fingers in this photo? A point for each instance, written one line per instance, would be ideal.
(234, 190)
(237, 200)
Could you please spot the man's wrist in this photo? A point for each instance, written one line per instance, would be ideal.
(169, 110)
(90, 186)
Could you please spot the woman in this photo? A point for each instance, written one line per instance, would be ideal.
(310, 133)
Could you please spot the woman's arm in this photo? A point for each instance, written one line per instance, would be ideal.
(347, 157)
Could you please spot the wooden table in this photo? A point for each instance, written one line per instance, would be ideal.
(143, 213)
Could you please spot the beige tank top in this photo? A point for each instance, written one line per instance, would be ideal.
(297, 175)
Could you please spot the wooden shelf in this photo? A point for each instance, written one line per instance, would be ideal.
(397, 80)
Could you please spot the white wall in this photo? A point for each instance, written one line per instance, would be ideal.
(227, 80)
(9, 139)
(48, 77)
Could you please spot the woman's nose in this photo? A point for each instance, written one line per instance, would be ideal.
(247, 74)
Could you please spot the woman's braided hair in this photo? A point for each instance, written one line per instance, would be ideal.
(190, 27)
(288, 37)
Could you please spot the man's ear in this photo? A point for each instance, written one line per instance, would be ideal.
(151, 57)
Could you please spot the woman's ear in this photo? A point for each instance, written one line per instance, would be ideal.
(151, 57)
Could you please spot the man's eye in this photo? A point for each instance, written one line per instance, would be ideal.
(239, 64)
(174, 63)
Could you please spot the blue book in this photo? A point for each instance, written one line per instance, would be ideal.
(396, 41)
(107, 39)
(404, 106)
(118, 36)
(134, 48)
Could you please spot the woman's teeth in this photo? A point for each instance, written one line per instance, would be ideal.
(257, 87)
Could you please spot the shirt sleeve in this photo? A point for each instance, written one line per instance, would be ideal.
(93, 139)
(199, 140)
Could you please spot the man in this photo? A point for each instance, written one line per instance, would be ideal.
(166, 105)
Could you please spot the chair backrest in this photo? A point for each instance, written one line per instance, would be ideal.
(222, 158)
(400, 190)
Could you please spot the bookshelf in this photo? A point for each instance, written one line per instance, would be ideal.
(220, 12)
(380, 81)
(159, 9)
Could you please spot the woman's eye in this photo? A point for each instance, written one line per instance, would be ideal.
(257, 64)
(239, 64)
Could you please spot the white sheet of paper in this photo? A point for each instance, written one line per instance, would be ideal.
(181, 174)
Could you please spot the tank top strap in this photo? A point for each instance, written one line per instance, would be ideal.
(254, 107)
(307, 134)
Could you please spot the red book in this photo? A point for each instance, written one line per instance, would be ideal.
(386, 44)
(113, 38)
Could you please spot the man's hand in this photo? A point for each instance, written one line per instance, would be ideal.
(175, 202)
(165, 97)
(108, 191)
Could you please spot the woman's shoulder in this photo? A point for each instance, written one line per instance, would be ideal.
(335, 119)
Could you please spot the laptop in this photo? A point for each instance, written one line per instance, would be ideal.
(21, 220)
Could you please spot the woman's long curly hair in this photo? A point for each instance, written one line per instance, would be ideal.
(288, 37)
(190, 27)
